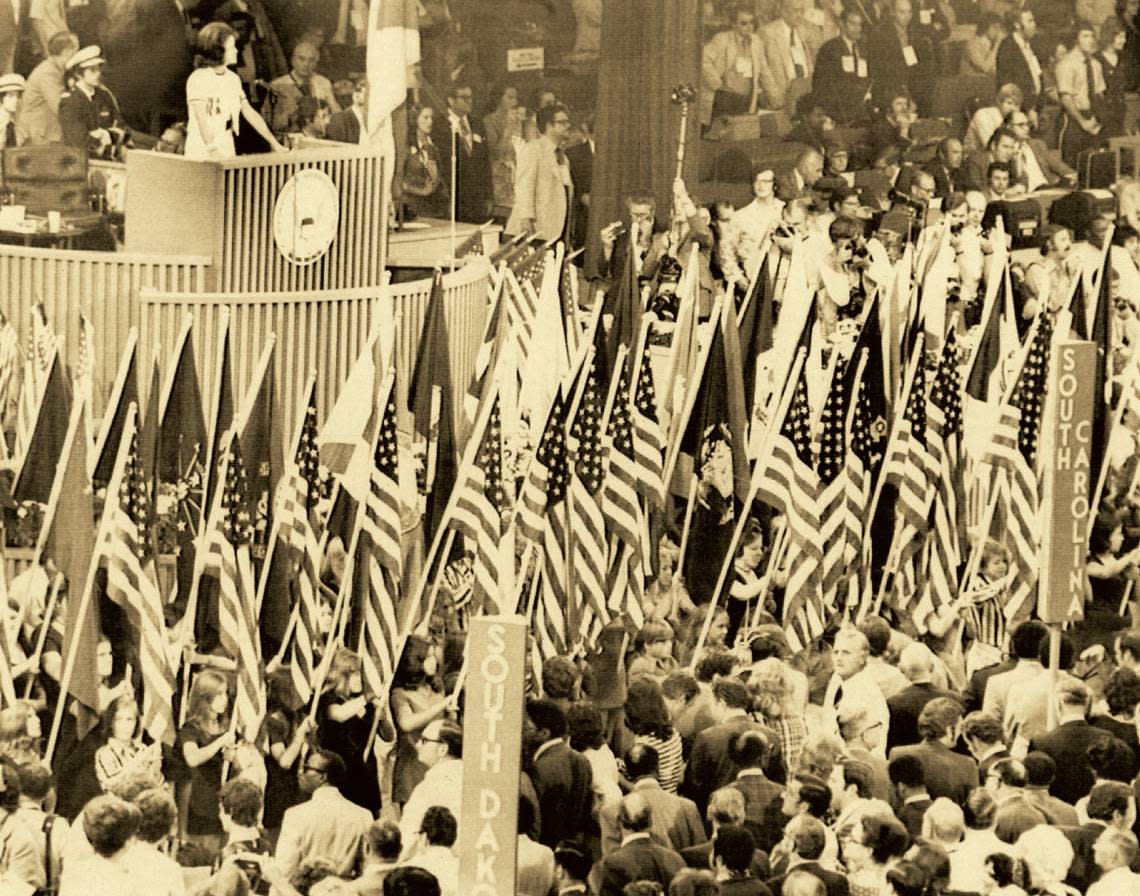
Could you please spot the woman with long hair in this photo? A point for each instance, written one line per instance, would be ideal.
(648, 718)
(123, 752)
(425, 191)
(416, 701)
(344, 723)
(216, 99)
(203, 743)
(284, 736)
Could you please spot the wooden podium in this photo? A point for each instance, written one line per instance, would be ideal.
(302, 221)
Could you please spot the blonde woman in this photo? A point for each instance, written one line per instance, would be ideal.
(773, 697)
(344, 723)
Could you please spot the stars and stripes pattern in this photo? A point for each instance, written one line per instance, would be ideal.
(862, 458)
(9, 363)
(535, 495)
(648, 437)
(522, 308)
(531, 266)
(1014, 450)
(790, 483)
(228, 556)
(380, 543)
(479, 506)
(944, 415)
(586, 519)
(85, 368)
(300, 491)
(910, 461)
(833, 486)
(129, 562)
(621, 508)
(553, 603)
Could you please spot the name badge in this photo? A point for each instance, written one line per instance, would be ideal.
(909, 56)
(848, 63)
(925, 16)
(862, 68)
(476, 138)
(744, 66)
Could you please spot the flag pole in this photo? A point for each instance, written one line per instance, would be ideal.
(41, 637)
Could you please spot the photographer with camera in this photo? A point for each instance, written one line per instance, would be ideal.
(842, 279)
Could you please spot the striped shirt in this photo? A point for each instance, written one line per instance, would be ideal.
(670, 758)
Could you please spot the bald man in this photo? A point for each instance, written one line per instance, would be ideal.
(303, 80)
(917, 663)
(852, 685)
(638, 857)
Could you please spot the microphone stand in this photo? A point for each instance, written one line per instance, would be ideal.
(454, 187)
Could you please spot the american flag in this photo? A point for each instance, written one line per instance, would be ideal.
(9, 363)
(480, 501)
(586, 519)
(531, 266)
(488, 352)
(471, 246)
(790, 483)
(85, 367)
(620, 506)
(910, 464)
(863, 458)
(380, 545)
(299, 492)
(44, 341)
(648, 438)
(130, 584)
(833, 486)
(1013, 449)
(522, 308)
(944, 414)
(228, 557)
(7, 686)
(550, 472)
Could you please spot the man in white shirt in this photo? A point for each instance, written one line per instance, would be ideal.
(302, 80)
(1113, 851)
(440, 748)
(740, 245)
(433, 850)
(535, 868)
(1024, 644)
(328, 825)
(49, 832)
(852, 682)
(155, 872)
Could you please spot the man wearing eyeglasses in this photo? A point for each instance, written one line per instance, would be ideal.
(543, 185)
(328, 825)
(440, 748)
(1037, 163)
(472, 159)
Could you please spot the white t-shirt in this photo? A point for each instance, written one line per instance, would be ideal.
(220, 95)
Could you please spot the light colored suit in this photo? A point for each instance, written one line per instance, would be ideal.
(9, 35)
(541, 190)
(782, 87)
(327, 826)
(717, 60)
(676, 822)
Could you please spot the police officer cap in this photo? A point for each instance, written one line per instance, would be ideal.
(12, 83)
(86, 57)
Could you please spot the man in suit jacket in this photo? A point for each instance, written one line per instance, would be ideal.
(734, 71)
(790, 45)
(1042, 166)
(726, 807)
(947, 773)
(676, 823)
(762, 797)
(909, 777)
(797, 183)
(804, 838)
(976, 689)
(638, 857)
(472, 160)
(347, 125)
(581, 158)
(982, 734)
(328, 826)
(892, 56)
(1111, 804)
(946, 167)
(710, 764)
(562, 777)
(1040, 772)
(732, 863)
(917, 664)
(542, 182)
(1001, 149)
(1069, 742)
(1017, 62)
(841, 80)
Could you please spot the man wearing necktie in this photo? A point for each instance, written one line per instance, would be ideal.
(1079, 83)
(11, 92)
(853, 684)
(790, 45)
(840, 82)
(473, 187)
(542, 184)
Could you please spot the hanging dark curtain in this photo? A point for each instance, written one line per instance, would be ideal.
(648, 48)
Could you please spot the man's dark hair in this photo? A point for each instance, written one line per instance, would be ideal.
(734, 694)
(938, 716)
(584, 723)
(383, 839)
(1120, 236)
(999, 134)
(559, 676)
(451, 735)
(997, 166)
(641, 761)
(1011, 772)
(735, 846)
(877, 633)
(575, 858)
(35, 781)
(544, 117)
(717, 662)
(859, 773)
(815, 793)
(547, 716)
(1107, 798)
(241, 800)
(336, 773)
(907, 770)
(1026, 639)
(157, 814)
(408, 880)
(1040, 769)
(439, 826)
(455, 89)
(60, 41)
(109, 823)
(526, 815)
(1068, 653)
(680, 685)
(809, 837)
(749, 749)
(982, 726)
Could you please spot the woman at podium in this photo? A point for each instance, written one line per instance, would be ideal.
(216, 100)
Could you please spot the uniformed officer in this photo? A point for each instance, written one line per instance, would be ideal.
(11, 92)
(89, 114)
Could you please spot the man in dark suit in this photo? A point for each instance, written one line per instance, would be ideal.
(676, 822)
(732, 863)
(1040, 772)
(572, 864)
(1069, 742)
(562, 777)
(909, 778)
(892, 56)
(947, 773)
(726, 807)
(346, 125)
(638, 857)
(1111, 804)
(710, 763)
(976, 689)
(917, 664)
(841, 79)
(762, 797)
(1017, 62)
(805, 838)
(472, 160)
(1001, 149)
(982, 734)
(946, 167)
(581, 158)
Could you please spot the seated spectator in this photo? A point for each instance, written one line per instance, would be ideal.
(1036, 162)
(349, 125)
(1002, 147)
(946, 167)
(812, 124)
(989, 118)
(733, 68)
(303, 80)
(892, 128)
(980, 54)
(997, 182)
